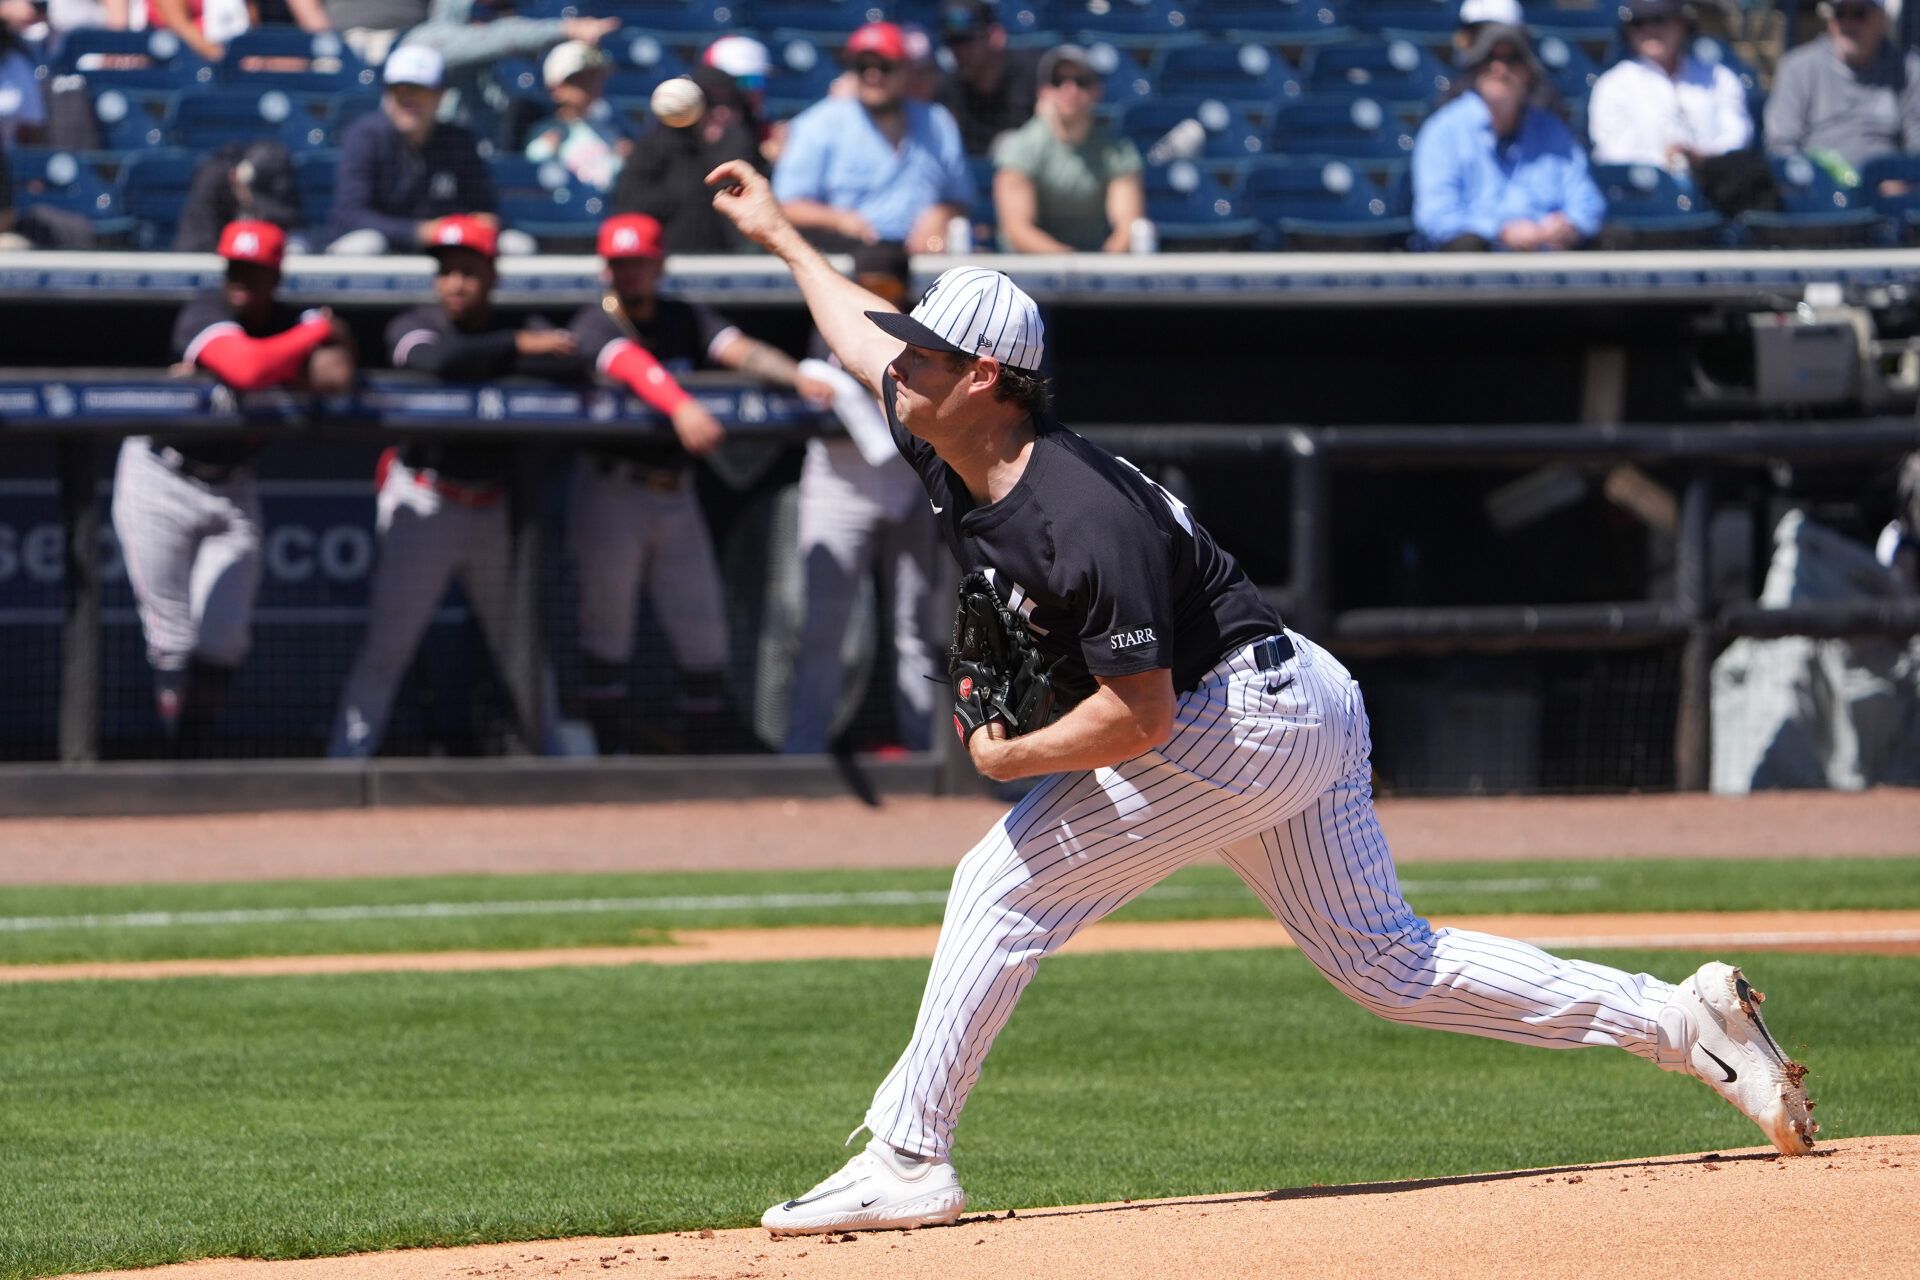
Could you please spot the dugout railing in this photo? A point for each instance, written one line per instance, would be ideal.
(79, 410)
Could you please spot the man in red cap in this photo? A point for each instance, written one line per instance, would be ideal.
(187, 511)
(635, 517)
(442, 507)
(878, 165)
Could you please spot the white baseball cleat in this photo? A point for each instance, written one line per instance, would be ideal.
(1712, 1029)
(878, 1190)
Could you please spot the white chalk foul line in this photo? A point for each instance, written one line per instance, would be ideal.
(620, 906)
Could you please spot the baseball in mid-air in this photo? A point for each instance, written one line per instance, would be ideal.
(678, 102)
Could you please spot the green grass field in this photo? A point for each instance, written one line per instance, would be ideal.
(143, 1122)
(51, 924)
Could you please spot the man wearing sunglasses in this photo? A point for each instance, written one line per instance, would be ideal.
(187, 510)
(1493, 170)
(1663, 106)
(1849, 95)
(1063, 182)
(877, 165)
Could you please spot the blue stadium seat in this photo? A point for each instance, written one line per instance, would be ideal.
(1418, 20)
(220, 114)
(1818, 213)
(1193, 210)
(294, 60)
(313, 181)
(1124, 77)
(1569, 69)
(160, 64)
(984, 217)
(686, 22)
(1656, 209)
(802, 72)
(643, 52)
(1360, 130)
(1029, 23)
(1128, 23)
(1284, 23)
(1581, 20)
(153, 190)
(639, 82)
(1901, 209)
(1323, 204)
(544, 201)
(129, 119)
(826, 21)
(64, 181)
(1383, 70)
(1225, 134)
(1247, 75)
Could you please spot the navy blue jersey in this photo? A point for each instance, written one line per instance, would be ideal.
(1112, 573)
(426, 339)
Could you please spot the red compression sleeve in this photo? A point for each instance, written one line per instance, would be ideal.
(248, 364)
(634, 365)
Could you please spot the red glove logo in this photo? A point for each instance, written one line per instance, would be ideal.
(966, 687)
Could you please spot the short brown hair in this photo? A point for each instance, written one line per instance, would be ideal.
(1031, 391)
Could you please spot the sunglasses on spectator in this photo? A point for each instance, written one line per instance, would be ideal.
(1063, 78)
(1852, 12)
(1507, 57)
(885, 66)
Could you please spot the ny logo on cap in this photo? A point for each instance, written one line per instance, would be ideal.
(246, 243)
(452, 233)
(626, 238)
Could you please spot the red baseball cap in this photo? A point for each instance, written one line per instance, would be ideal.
(885, 39)
(249, 240)
(632, 235)
(464, 231)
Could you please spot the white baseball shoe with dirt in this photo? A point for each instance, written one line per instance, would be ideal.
(1712, 1029)
(878, 1190)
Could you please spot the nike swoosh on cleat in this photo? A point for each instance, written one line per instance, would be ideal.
(868, 1204)
(1732, 1075)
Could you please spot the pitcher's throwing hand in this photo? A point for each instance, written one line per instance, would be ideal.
(745, 197)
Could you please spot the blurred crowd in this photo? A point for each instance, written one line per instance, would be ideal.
(1117, 127)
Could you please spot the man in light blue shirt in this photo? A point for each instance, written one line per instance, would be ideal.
(1492, 170)
(877, 165)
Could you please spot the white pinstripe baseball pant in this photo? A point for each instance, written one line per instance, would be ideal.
(1278, 784)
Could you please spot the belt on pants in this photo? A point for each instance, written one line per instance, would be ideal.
(651, 478)
(205, 472)
(1272, 652)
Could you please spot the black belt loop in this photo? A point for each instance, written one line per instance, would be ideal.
(1273, 652)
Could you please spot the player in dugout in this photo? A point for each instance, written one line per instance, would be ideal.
(442, 507)
(187, 509)
(634, 516)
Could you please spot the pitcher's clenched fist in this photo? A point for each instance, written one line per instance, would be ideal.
(745, 196)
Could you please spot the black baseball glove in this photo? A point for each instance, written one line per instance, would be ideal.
(998, 672)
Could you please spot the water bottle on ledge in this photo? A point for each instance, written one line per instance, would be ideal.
(1143, 237)
(959, 234)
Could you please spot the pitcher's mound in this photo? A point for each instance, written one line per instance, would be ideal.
(1849, 1209)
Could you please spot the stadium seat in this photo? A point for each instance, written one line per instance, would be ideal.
(1424, 22)
(1649, 208)
(1569, 69)
(1592, 24)
(1322, 204)
(1193, 210)
(1247, 75)
(643, 52)
(220, 114)
(1028, 23)
(801, 75)
(313, 181)
(130, 120)
(678, 22)
(153, 190)
(983, 216)
(639, 82)
(293, 60)
(1819, 213)
(140, 62)
(1219, 132)
(1900, 209)
(1383, 70)
(62, 180)
(1124, 76)
(544, 201)
(1361, 131)
(825, 21)
(1277, 23)
(1155, 24)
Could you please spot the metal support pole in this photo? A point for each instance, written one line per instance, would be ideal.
(524, 656)
(1693, 597)
(1309, 587)
(80, 673)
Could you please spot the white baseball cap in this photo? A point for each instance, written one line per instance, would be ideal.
(568, 59)
(415, 64)
(1505, 12)
(739, 56)
(971, 311)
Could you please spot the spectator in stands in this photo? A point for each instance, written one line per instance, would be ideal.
(1492, 170)
(877, 166)
(1663, 106)
(370, 27)
(23, 112)
(401, 169)
(582, 133)
(1847, 96)
(84, 15)
(635, 519)
(1063, 182)
(442, 507)
(473, 35)
(204, 26)
(745, 62)
(666, 176)
(862, 509)
(187, 510)
(251, 181)
(991, 89)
